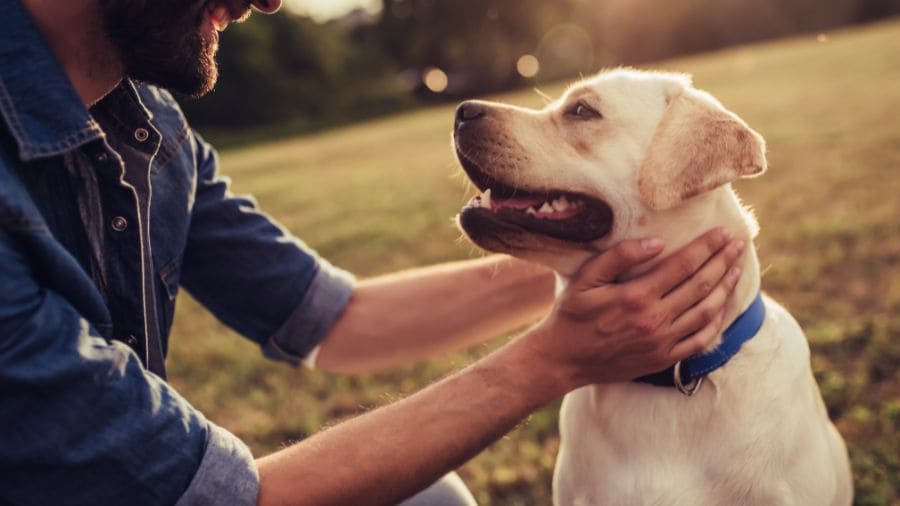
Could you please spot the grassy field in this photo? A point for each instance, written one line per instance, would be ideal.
(380, 196)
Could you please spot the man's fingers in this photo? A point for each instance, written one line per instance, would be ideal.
(701, 284)
(705, 311)
(606, 267)
(700, 340)
(680, 266)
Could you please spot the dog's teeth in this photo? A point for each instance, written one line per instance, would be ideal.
(560, 204)
(546, 208)
(486, 198)
(530, 211)
(476, 202)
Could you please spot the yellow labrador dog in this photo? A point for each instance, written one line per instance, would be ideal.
(630, 154)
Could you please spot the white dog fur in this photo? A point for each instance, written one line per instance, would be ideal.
(662, 156)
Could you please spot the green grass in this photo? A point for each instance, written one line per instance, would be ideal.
(379, 196)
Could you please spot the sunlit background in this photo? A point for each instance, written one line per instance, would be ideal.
(324, 10)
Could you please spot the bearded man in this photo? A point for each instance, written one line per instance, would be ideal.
(109, 203)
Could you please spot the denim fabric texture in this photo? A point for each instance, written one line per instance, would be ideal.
(105, 213)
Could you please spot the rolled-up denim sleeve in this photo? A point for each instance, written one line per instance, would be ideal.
(84, 423)
(227, 473)
(253, 274)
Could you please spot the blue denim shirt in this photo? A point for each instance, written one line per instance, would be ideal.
(104, 214)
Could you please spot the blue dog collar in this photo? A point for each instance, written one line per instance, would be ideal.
(687, 374)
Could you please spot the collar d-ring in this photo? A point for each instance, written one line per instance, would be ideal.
(692, 386)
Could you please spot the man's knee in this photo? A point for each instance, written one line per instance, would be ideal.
(448, 491)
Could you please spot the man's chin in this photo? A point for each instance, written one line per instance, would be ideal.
(200, 87)
(191, 82)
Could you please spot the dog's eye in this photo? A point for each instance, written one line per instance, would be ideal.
(583, 111)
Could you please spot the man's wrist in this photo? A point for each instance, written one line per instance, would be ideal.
(546, 378)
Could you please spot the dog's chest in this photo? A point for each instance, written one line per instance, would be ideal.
(621, 447)
(639, 444)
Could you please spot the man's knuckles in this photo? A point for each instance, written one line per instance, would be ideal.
(648, 325)
(635, 298)
(687, 265)
(704, 287)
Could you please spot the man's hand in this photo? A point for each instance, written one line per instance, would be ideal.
(601, 331)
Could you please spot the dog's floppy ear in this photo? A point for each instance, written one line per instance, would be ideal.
(697, 146)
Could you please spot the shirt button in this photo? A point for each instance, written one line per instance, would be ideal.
(119, 224)
(131, 340)
(141, 134)
(102, 157)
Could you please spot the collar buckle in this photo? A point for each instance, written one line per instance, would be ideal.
(692, 386)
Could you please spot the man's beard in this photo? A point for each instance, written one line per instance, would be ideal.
(161, 42)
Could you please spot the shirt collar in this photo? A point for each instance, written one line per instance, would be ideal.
(38, 103)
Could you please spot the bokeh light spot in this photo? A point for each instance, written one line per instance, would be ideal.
(435, 79)
(528, 65)
(566, 49)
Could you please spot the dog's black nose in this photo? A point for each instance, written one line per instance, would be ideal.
(470, 111)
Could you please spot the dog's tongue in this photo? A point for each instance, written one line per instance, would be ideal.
(516, 202)
(488, 201)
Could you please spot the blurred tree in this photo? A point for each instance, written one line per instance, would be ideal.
(476, 42)
(869, 10)
(289, 69)
(633, 31)
(277, 69)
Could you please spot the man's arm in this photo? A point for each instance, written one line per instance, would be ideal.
(598, 332)
(420, 313)
(391, 453)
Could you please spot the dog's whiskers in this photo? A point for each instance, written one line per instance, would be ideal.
(547, 98)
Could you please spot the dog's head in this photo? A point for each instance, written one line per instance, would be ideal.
(616, 154)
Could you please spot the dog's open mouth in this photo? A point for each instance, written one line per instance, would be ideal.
(561, 215)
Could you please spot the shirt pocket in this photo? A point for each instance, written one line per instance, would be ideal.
(169, 279)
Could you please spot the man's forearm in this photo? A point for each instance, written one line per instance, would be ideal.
(393, 452)
(420, 313)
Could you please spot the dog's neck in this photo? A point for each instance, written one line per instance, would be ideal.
(719, 208)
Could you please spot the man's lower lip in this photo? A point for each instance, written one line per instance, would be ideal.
(267, 6)
(218, 18)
